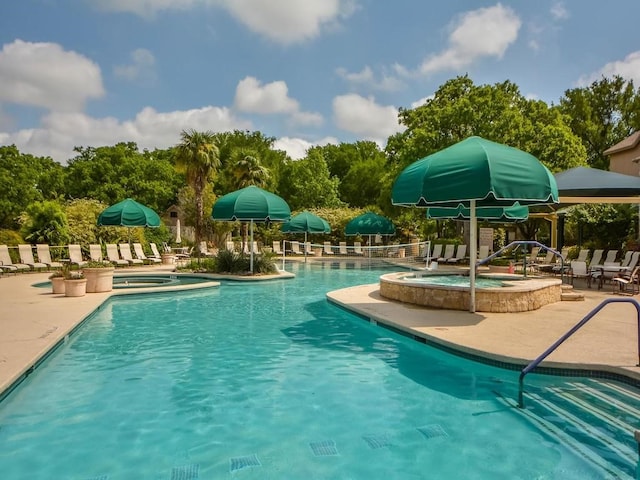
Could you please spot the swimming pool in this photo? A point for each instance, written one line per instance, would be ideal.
(271, 381)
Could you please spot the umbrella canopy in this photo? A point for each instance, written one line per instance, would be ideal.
(476, 169)
(515, 213)
(306, 222)
(591, 185)
(129, 213)
(370, 223)
(251, 204)
(475, 173)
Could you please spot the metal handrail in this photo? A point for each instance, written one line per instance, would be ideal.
(558, 342)
(524, 242)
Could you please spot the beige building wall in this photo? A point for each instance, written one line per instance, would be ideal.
(622, 162)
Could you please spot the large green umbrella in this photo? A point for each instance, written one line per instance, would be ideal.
(306, 222)
(370, 223)
(475, 173)
(251, 204)
(515, 213)
(128, 213)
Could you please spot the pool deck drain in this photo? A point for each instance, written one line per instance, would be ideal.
(248, 461)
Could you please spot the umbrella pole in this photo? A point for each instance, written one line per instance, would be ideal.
(473, 225)
(305, 247)
(251, 248)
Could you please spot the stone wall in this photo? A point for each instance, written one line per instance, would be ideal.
(515, 296)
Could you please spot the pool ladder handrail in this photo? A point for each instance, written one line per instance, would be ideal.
(517, 243)
(564, 337)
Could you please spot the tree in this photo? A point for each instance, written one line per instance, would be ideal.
(247, 170)
(197, 156)
(601, 115)
(25, 179)
(306, 184)
(45, 222)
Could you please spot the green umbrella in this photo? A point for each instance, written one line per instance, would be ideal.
(370, 223)
(515, 213)
(306, 222)
(475, 173)
(129, 213)
(251, 204)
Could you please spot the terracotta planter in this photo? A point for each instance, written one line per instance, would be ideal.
(168, 259)
(57, 285)
(75, 287)
(99, 279)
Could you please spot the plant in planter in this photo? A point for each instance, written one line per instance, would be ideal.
(99, 276)
(75, 284)
(57, 282)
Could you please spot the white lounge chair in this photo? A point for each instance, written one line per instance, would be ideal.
(295, 248)
(437, 252)
(95, 253)
(75, 255)
(579, 270)
(7, 264)
(628, 283)
(125, 253)
(113, 256)
(204, 250)
(308, 249)
(326, 250)
(276, 247)
(461, 252)
(139, 251)
(357, 248)
(44, 256)
(343, 248)
(154, 251)
(230, 246)
(483, 252)
(448, 253)
(26, 257)
(611, 257)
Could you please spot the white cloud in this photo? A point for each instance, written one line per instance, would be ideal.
(45, 75)
(273, 97)
(141, 66)
(421, 101)
(364, 117)
(297, 148)
(559, 11)
(486, 32)
(366, 77)
(60, 132)
(283, 21)
(628, 68)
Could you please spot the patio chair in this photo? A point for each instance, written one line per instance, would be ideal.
(155, 254)
(95, 253)
(7, 264)
(357, 248)
(627, 258)
(531, 259)
(449, 250)
(44, 256)
(308, 249)
(596, 258)
(204, 250)
(393, 250)
(461, 252)
(343, 248)
(75, 255)
(483, 252)
(437, 251)
(611, 257)
(627, 283)
(26, 257)
(578, 269)
(547, 264)
(125, 253)
(295, 248)
(327, 248)
(230, 246)
(276, 247)
(139, 251)
(114, 257)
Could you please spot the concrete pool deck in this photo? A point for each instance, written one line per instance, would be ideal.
(32, 321)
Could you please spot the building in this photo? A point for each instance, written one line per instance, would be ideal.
(624, 156)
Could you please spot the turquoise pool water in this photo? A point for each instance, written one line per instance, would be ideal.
(455, 281)
(270, 381)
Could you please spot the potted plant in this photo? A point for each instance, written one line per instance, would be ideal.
(57, 282)
(99, 276)
(75, 284)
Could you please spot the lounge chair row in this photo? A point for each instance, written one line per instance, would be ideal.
(295, 248)
(122, 256)
(451, 254)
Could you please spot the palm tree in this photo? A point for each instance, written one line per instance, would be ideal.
(198, 157)
(247, 171)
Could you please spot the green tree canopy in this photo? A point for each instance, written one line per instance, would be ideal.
(602, 114)
(45, 222)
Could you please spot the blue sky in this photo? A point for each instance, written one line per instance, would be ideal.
(307, 72)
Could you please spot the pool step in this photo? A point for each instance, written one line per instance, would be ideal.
(569, 294)
(596, 419)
